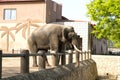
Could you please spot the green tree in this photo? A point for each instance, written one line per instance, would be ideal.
(106, 14)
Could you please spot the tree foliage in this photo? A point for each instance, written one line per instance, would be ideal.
(106, 14)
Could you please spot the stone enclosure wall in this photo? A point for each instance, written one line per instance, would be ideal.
(87, 70)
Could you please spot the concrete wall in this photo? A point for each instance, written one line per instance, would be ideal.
(107, 64)
(86, 71)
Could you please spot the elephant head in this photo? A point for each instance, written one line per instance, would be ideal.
(75, 44)
(67, 33)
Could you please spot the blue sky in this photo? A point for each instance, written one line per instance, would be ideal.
(74, 9)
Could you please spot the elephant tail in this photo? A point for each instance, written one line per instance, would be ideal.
(32, 45)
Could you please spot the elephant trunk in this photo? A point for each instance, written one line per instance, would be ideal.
(76, 48)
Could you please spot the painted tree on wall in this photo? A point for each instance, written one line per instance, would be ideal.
(8, 33)
(25, 27)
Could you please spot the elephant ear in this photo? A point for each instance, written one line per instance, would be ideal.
(69, 32)
(64, 34)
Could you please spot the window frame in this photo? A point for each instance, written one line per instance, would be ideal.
(11, 15)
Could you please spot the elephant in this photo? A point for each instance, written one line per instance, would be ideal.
(50, 37)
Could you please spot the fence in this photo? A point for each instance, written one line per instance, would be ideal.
(24, 54)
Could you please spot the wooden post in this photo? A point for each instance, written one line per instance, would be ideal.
(63, 59)
(88, 55)
(70, 56)
(77, 58)
(42, 57)
(25, 61)
(12, 51)
(82, 56)
(85, 55)
(0, 64)
(55, 58)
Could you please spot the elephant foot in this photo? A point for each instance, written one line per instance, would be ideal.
(47, 64)
(35, 65)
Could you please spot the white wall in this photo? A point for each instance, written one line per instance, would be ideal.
(81, 28)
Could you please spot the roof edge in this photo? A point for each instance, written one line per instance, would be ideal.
(6, 1)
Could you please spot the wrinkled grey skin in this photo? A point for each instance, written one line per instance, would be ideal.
(77, 41)
(50, 37)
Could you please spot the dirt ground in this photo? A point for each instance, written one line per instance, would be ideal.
(11, 67)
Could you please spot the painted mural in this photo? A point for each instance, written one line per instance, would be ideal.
(15, 34)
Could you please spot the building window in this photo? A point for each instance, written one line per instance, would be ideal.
(9, 14)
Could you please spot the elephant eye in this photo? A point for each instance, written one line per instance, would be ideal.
(71, 34)
(72, 30)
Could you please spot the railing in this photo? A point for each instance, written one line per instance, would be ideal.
(24, 54)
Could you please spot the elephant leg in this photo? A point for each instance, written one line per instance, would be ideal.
(34, 57)
(54, 44)
(33, 49)
(62, 50)
(45, 57)
(46, 61)
(35, 61)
